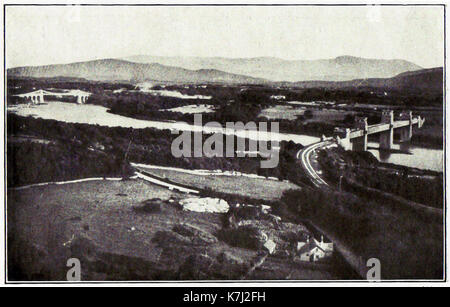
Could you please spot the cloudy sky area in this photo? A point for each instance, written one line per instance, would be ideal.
(49, 35)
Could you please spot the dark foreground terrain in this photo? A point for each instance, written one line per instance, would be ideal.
(130, 230)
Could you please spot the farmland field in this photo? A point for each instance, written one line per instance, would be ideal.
(282, 112)
(325, 115)
(244, 186)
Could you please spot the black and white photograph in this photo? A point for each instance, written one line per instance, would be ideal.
(227, 143)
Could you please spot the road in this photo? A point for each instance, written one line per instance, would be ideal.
(304, 156)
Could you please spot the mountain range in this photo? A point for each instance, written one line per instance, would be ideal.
(116, 69)
(227, 70)
(341, 68)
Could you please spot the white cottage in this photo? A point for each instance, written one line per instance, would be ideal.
(313, 250)
(326, 246)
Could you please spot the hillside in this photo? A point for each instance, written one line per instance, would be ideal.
(338, 69)
(424, 80)
(113, 69)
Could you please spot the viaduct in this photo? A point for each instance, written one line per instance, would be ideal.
(356, 139)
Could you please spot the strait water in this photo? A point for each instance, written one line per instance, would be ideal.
(412, 156)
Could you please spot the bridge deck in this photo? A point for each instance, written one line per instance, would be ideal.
(373, 129)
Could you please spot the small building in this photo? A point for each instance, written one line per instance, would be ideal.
(313, 250)
(327, 247)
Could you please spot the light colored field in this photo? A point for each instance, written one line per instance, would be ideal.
(192, 109)
(291, 113)
(244, 186)
(147, 88)
(282, 112)
(49, 209)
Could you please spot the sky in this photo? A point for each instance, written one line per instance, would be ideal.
(41, 35)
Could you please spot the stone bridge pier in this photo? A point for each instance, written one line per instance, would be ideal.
(344, 141)
(360, 143)
(405, 133)
(35, 97)
(387, 136)
(81, 99)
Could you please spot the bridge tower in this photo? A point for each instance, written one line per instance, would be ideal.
(387, 136)
(406, 132)
(81, 97)
(344, 140)
(420, 121)
(36, 97)
(360, 143)
(40, 96)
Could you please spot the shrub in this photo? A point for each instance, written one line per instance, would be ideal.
(150, 206)
(247, 236)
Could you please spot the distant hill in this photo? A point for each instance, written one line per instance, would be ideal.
(114, 69)
(338, 69)
(425, 80)
(121, 70)
(431, 79)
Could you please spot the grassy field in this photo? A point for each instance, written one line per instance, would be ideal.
(329, 115)
(282, 112)
(318, 115)
(98, 223)
(244, 186)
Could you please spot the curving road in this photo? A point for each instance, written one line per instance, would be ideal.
(304, 156)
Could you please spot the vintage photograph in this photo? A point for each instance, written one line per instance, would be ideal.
(242, 143)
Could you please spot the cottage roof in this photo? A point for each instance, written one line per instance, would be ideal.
(309, 246)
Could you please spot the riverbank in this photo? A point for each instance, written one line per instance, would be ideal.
(421, 186)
